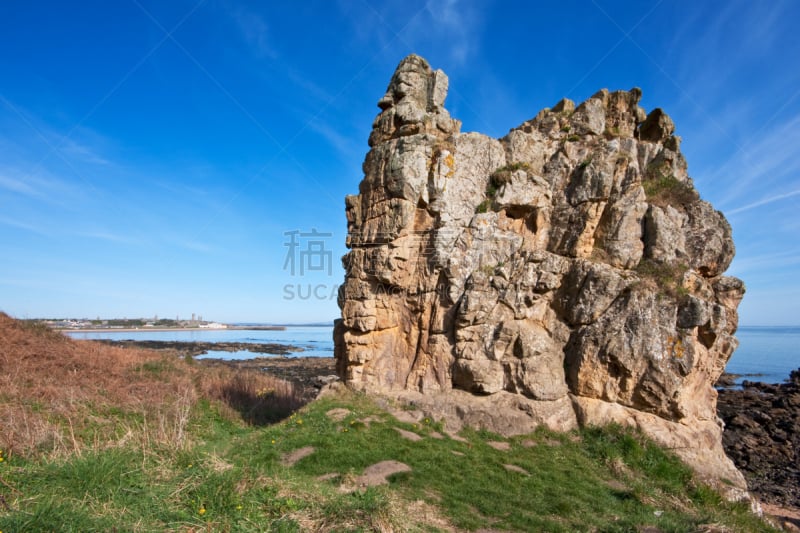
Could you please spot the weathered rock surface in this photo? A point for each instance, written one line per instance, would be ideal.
(565, 274)
(762, 436)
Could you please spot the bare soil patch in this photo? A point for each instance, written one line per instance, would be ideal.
(378, 473)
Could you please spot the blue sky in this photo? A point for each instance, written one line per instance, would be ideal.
(153, 155)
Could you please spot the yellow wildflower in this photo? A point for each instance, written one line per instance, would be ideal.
(202, 511)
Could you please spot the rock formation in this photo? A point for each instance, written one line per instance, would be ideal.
(565, 274)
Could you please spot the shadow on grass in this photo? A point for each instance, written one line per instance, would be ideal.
(260, 399)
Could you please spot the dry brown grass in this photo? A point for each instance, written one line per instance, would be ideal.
(59, 396)
(259, 398)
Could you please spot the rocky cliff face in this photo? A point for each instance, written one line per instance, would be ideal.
(565, 274)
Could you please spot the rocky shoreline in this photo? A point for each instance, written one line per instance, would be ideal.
(310, 374)
(198, 348)
(762, 436)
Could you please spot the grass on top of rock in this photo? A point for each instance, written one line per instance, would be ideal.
(502, 175)
(662, 188)
(497, 179)
(667, 277)
(668, 190)
(230, 474)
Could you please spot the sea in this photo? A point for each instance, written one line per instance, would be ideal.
(765, 354)
(316, 341)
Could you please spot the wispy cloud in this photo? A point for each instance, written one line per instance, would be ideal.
(764, 201)
(770, 169)
(41, 186)
(18, 186)
(18, 224)
(448, 25)
(108, 236)
(62, 232)
(309, 86)
(83, 152)
(728, 35)
(348, 148)
(192, 239)
(255, 31)
(456, 20)
(760, 263)
(196, 246)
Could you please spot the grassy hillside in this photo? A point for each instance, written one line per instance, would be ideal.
(98, 439)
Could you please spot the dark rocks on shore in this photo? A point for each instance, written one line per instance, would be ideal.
(310, 374)
(199, 348)
(762, 436)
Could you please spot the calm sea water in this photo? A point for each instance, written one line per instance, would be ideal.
(316, 341)
(769, 353)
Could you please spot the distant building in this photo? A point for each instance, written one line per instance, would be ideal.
(213, 325)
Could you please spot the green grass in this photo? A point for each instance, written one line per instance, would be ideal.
(662, 188)
(157, 368)
(668, 277)
(502, 175)
(498, 179)
(230, 478)
(483, 207)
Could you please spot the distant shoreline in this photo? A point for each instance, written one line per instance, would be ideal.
(135, 330)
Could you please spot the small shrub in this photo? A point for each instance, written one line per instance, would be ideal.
(668, 190)
(668, 277)
(497, 179)
(502, 175)
(40, 329)
(623, 158)
(157, 368)
(483, 207)
(573, 138)
(488, 269)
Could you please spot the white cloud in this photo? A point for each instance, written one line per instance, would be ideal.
(82, 152)
(348, 148)
(255, 31)
(104, 235)
(451, 23)
(5, 221)
(764, 201)
(18, 186)
(455, 18)
(759, 264)
(39, 186)
(421, 27)
(769, 169)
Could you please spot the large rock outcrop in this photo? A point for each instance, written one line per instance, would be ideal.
(565, 274)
